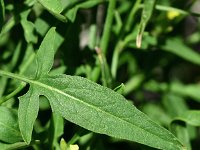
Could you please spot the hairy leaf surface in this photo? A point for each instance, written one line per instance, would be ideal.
(29, 103)
(86, 104)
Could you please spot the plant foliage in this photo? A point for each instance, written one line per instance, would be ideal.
(95, 74)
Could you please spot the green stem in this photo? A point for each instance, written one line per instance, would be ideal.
(131, 15)
(119, 47)
(74, 139)
(20, 87)
(121, 43)
(115, 58)
(107, 27)
(14, 76)
(168, 8)
(12, 94)
(106, 76)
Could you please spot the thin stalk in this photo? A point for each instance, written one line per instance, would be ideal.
(20, 87)
(119, 47)
(169, 8)
(131, 15)
(14, 76)
(121, 43)
(12, 94)
(115, 58)
(106, 76)
(22, 84)
(107, 27)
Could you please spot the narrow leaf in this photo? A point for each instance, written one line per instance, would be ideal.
(181, 131)
(41, 63)
(190, 90)
(146, 15)
(27, 113)
(191, 117)
(45, 54)
(28, 27)
(175, 106)
(71, 14)
(176, 46)
(55, 130)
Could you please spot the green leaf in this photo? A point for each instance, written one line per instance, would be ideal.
(190, 90)
(156, 112)
(177, 47)
(191, 117)
(28, 65)
(181, 131)
(29, 103)
(54, 6)
(18, 145)
(28, 27)
(45, 54)
(30, 2)
(175, 106)
(55, 130)
(27, 113)
(99, 109)
(146, 15)
(41, 26)
(2, 14)
(119, 89)
(86, 104)
(9, 130)
(42, 62)
(71, 14)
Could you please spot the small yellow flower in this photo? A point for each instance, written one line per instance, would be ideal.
(172, 14)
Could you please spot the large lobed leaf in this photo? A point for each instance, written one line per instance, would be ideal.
(29, 103)
(87, 104)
